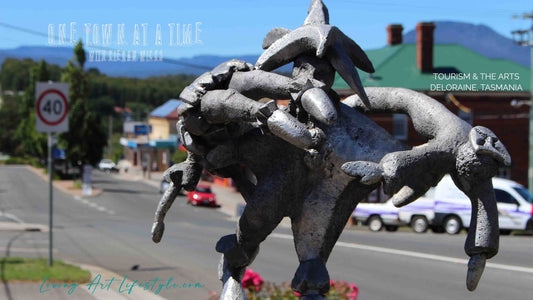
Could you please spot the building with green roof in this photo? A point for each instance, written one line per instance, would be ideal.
(396, 67)
(483, 91)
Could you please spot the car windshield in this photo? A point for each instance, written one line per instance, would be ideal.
(106, 161)
(524, 193)
(203, 190)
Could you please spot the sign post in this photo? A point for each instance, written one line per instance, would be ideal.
(52, 116)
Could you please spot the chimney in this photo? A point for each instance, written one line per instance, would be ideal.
(394, 34)
(424, 46)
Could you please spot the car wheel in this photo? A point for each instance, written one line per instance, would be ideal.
(391, 228)
(419, 224)
(529, 227)
(452, 225)
(375, 224)
(505, 232)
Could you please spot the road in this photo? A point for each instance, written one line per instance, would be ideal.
(112, 231)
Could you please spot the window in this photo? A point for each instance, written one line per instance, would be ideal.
(504, 197)
(524, 193)
(400, 128)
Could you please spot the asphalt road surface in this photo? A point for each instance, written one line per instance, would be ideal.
(113, 231)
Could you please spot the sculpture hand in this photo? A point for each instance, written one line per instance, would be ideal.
(407, 175)
(186, 175)
(212, 104)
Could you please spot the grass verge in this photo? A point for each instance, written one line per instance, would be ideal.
(36, 269)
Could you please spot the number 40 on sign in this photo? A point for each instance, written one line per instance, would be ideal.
(51, 103)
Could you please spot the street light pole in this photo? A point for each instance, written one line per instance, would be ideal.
(530, 44)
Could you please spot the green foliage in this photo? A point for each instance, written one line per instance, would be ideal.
(77, 184)
(15, 73)
(31, 142)
(152, 91)
(340, 290)
(37, 269)
(9, 119)
(79, 54)
(117, 149)
(179, 156)
(85, 139)
(98, 93)
(25, 160)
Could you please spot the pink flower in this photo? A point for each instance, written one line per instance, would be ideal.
(252, 279)
(353, 294)
(332, 283)
(297, 294)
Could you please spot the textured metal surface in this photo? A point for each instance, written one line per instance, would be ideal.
(314, 160)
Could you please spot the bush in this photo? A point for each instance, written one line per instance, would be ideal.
(179, 156)
(257, 289)
(25, 160)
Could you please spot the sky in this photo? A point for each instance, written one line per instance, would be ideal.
(231, 27)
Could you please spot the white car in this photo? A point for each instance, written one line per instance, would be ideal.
(378, 215)
(448, 209)
(107, 165)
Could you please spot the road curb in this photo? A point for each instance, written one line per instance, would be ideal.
(40, 174)
(112, 293)
(16, 227)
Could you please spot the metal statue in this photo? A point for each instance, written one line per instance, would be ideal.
(316, 158)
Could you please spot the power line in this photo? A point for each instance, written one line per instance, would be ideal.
(165, 60)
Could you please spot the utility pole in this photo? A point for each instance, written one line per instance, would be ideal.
(528, 42)
(110, 136)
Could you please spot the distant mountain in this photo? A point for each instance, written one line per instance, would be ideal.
(61, 55)
(479, 38)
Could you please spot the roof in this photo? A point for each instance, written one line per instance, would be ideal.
(396, 67)
(167, 110)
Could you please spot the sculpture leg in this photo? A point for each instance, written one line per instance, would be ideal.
(264, 210)
(310, 230)
(316, 230)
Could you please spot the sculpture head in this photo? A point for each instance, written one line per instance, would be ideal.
(326, 42)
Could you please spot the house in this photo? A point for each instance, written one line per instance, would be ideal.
(152, 143)
(480, 90)
(163, 136)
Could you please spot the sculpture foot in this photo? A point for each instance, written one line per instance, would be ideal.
(476, 266)
(231, 281)
(234, 253)
(311, 279)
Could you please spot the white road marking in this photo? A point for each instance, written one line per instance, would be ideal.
(11, 217)
(418, 255)
(25, 250)
(94, 205)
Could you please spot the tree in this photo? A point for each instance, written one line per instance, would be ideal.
(9, 119)
(32, 142)
(86, 138)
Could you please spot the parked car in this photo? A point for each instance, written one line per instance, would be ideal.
(202, 195)
(446, 208)
(107, 166)
(378, 215)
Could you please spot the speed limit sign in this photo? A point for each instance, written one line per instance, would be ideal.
(51, 102)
